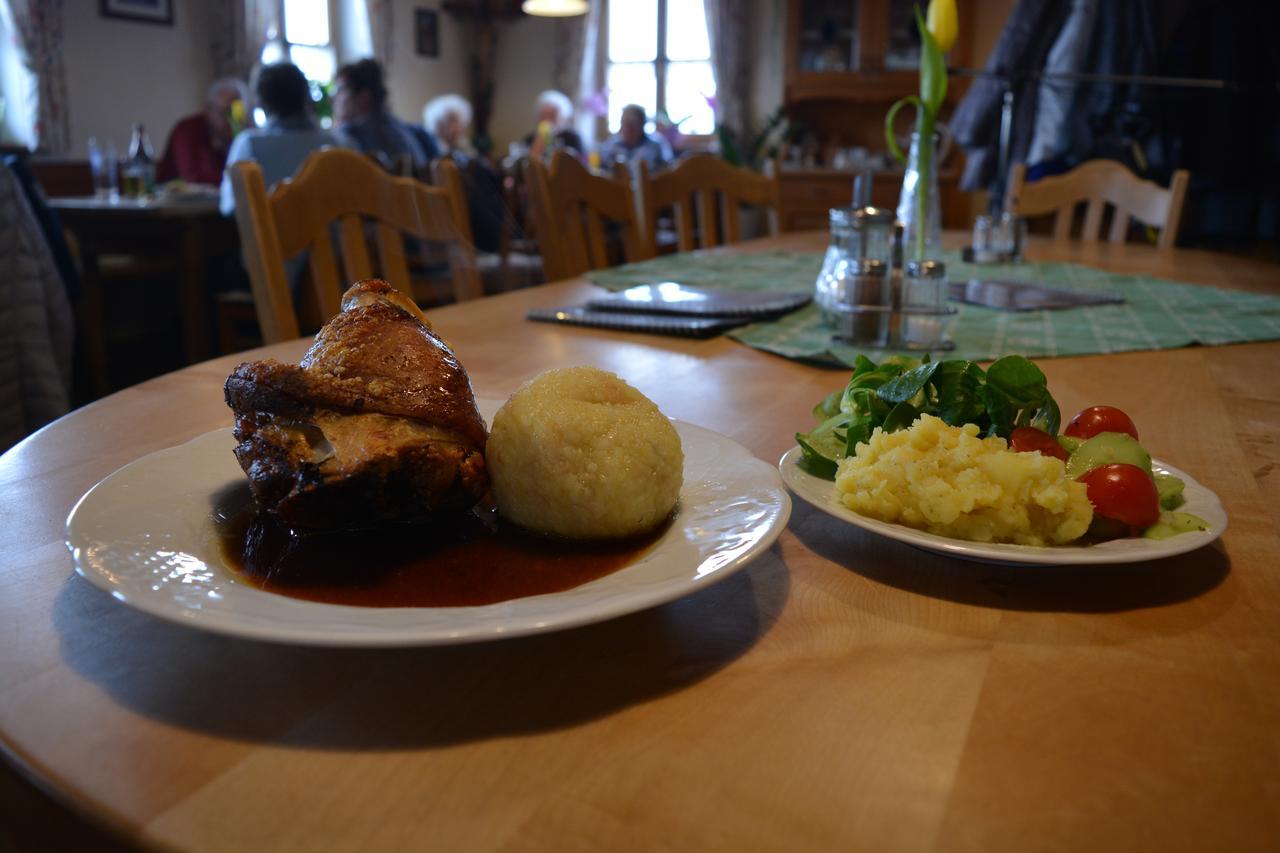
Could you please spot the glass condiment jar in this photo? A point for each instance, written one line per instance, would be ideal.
(857, 233)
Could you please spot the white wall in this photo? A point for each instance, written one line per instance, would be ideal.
(526, 65)
(121, 72)
(412, 80)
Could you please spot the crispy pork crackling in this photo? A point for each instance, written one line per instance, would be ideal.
(378, 423)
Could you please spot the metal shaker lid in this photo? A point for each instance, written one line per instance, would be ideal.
(926, 269)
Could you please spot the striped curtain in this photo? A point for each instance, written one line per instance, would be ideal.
(238, 32)
(38, 28)
(579, 72)
(728, 25)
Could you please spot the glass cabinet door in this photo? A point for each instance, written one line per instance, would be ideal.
(902, 48)
(828, 37)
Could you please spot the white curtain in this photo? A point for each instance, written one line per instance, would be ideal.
(381, 30)
(728, 25)
(579, 71)
(38, 30)
(239, 31)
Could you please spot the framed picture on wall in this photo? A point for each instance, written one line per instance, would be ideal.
(426, 29)
(150, 11)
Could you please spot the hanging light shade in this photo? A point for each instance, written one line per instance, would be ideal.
(554, 8)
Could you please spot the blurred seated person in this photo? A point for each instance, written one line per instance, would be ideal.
(552, 113)
(631, 144)
(197, 148)
(289, 135)
(448, 117)
(361, 116)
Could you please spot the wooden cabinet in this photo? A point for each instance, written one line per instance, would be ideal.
(856, 50)
(809, 194)
(847, 61)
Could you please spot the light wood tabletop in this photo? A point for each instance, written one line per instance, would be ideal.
(843, 692)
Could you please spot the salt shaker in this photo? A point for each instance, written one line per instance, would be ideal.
(924, 306)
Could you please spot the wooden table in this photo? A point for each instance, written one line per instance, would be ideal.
(186, 231)
(843, 692)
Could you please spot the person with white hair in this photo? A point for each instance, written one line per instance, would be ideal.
(447, 118)
(197, 148)
(552, 112)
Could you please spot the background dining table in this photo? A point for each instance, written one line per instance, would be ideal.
(845, 691)
(183, 232)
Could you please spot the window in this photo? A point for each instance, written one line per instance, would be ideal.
(660, 58)
(303, 38)
(17, 89)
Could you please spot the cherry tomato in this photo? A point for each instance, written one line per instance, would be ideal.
(1027, 439)
(1096, 419)
(1123, 492)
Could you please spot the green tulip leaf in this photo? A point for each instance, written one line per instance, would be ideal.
(890, 139)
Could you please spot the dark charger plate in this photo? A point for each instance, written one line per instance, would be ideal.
(1024, 296)
(671, 297)
(671, 308)
(627, 321)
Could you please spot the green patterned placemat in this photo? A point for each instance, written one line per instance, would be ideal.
(1157, 314)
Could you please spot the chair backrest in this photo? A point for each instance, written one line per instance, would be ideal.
(570, 207)
(705, 182)
(1099, 183)
(340, 187)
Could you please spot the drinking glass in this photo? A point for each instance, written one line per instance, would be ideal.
(102, 162)
(983, 253)
(1006, 236)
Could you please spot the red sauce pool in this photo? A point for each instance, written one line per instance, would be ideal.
(467, 560)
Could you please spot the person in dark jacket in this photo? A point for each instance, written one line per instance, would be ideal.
(361, 116)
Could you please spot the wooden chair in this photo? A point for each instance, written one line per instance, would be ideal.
(570, 206)
(344, 188)
(510, 266)
(706, 182)
(1099, 183)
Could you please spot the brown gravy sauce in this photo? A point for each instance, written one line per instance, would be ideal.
(467, 560)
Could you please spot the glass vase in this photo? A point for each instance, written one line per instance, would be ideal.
(919, 205)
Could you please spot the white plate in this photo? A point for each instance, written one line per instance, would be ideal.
(146, 535)
(1199, 501)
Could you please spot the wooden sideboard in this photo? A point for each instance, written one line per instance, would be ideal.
(808, 194)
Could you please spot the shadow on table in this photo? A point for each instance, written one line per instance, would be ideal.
(363, 699)
(1063, 589)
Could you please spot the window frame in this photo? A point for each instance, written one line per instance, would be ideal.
(661, 64)
(281, 38)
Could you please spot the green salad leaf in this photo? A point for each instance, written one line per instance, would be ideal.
(1012, 392)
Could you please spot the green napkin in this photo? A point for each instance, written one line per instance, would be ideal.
(1157, 314)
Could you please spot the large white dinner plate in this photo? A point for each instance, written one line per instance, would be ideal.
(1199, 501)
(146, 535)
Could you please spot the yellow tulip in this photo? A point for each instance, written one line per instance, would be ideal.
(942, 23)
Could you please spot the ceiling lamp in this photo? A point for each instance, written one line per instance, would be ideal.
(554, 8)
